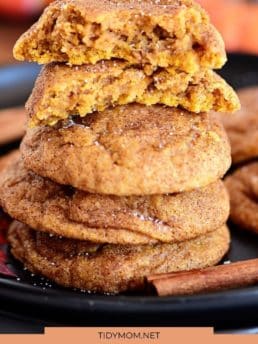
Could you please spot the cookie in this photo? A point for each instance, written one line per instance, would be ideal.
(243, 189)
(61, 91)
(111, 268)
(242, 128)
(131, 150)
(64, 211)
(154, 33)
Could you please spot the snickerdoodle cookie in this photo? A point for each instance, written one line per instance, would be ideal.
(243, 189)
(61, 210)
(111, 268)
(154, 33)
(131, 150)
(242, 127)
(61, 91)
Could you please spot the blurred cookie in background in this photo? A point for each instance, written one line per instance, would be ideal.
(243, 190)
(242, 127)
(12, 124)
(7, 159)
(15, 17)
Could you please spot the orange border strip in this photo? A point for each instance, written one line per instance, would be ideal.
(91, 335)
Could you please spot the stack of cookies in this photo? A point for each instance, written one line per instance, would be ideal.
(121, 164)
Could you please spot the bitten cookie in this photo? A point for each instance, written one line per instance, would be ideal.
(160, 33)
(61, 91)
(111, 268)
(61, 210)
(131, 150)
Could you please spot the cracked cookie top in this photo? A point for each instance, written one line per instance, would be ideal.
(131, 150)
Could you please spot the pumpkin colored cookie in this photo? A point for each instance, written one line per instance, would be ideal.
(131, 150)
(62, 210)
(111, 268)
(153, 33)
(242, 127)
(243, 189)
(61, 91)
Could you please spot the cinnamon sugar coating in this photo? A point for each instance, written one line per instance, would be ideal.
(131, 150)
(111, 268)
(62, 210)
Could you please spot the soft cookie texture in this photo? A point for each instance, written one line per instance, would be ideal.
(61, 91)
(111, 268)
(131, 150)
(153, 33)
(243, 189)
(242, 127)
(61, 210)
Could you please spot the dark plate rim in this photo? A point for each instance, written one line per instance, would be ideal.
(77, 301)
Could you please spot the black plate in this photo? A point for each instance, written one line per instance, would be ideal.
(34, 295)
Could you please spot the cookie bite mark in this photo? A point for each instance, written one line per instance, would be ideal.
(61, 91)
(168, 33)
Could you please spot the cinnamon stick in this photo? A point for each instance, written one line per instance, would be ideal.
(221, 277)
(12, 124)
